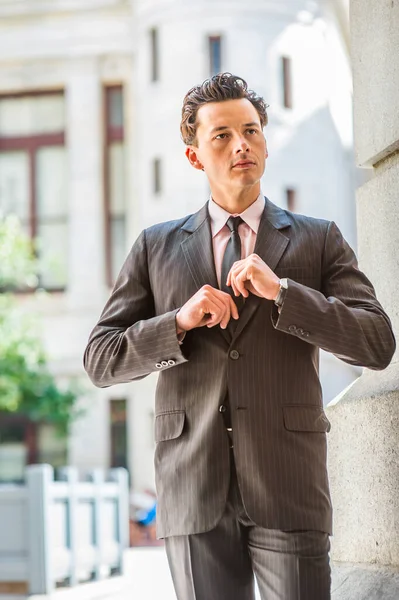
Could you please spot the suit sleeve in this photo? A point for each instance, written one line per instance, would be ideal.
(345, 317)
(129, 340)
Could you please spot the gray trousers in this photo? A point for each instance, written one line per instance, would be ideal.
(220, 564)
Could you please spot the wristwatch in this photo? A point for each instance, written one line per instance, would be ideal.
(283, 290)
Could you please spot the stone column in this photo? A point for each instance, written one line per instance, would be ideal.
(84, 141)
(364, 441)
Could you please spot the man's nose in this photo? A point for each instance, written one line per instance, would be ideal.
(242, 145)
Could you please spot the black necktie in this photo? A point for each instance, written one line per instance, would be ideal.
(231, 255)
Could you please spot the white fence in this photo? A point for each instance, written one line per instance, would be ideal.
(62, 531)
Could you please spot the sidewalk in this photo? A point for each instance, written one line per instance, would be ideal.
(147, 575)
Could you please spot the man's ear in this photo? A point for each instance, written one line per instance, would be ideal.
(193, 158)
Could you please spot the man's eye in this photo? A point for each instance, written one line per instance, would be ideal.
(221, 136)
(252, 131)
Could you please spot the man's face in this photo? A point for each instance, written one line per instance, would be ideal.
(231, 147)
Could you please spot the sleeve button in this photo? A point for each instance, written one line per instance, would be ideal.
(158, 366)
(171, 362)
(164, 363)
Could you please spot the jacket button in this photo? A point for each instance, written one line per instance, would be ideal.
(158, 366)
(234, 354)
(222, 408)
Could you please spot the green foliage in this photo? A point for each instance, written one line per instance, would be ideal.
(26, 384)
(18, 265)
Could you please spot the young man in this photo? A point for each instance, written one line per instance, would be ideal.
(231, 306)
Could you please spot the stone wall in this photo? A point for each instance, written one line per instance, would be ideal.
(364, 441)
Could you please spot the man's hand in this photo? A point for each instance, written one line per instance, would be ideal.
(209, 307)
(253, 275)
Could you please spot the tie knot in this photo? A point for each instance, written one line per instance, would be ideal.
(233, 223)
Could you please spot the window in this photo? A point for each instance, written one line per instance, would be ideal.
(154, 50)
(24, 442)
(118, 434)
(16, 447)
(215, 55)
(287, 81)
(33, 177)
(291, 199)
(157, 175)
(115, 178)
(51, 446)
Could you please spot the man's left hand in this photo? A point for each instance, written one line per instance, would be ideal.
(253, 275)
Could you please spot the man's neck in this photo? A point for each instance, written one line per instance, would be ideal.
(236, 202)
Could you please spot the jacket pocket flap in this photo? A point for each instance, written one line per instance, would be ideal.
(305, 418)
(169, 426)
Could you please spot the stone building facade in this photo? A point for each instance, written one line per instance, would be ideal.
(364, 473)
(90, 154)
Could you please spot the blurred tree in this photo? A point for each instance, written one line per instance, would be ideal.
(26, 384)
(18, 265)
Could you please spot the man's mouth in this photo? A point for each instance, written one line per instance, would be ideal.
(244, 164)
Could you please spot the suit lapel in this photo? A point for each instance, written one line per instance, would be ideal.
(198, 252)
(270, 246)
(197, 249)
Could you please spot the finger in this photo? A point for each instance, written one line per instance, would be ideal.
(215, 308)
(238, 264)
(231, 277)
(235, 280)
(239, 278)
(234, 286)
(224, 298)
(227, 313)
(233, 309)
(241, 281)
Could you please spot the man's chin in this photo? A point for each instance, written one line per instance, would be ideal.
(247, 181)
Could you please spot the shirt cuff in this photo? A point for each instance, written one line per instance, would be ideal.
(181, 336)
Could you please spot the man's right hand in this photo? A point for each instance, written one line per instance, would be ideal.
(209, 307)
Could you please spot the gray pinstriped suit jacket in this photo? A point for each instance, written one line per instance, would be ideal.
(272, 377)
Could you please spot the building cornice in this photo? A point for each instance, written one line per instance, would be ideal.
(32, 8)
(146, 9)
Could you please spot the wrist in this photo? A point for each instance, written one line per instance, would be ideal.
(179, 328)
(276, 290)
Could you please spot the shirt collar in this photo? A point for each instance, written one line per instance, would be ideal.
(251, 216)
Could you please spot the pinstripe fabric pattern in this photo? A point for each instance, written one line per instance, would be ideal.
(279, 426)
(221, 563)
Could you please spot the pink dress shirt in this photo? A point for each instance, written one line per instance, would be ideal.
(247, 230)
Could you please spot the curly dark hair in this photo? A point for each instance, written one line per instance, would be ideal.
(218, 88)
